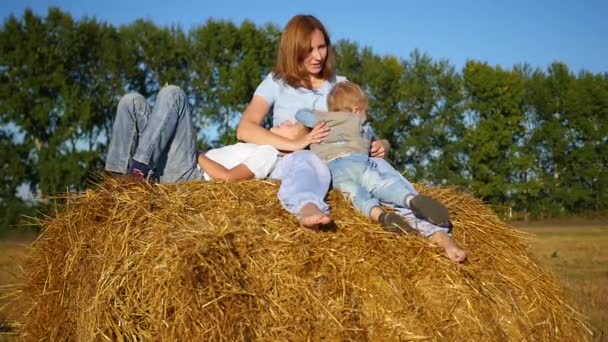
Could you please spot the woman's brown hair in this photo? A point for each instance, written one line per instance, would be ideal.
(295, 47)
(345, 97)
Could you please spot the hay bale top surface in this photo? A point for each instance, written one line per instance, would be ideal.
(224, 261)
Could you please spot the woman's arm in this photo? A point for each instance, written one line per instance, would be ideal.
(249, 129)
(218, 172)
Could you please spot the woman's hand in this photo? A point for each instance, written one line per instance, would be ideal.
(379, 148)
(315, 136)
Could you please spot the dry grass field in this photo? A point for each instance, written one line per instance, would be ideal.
(576, 252)
(12, 252)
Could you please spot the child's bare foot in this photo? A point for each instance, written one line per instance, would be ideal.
(451, 250)
(312, 217)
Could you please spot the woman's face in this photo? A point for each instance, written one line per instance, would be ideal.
(315, 60)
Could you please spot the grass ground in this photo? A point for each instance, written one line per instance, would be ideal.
(576, 252)
(578, 255)
(12, 252)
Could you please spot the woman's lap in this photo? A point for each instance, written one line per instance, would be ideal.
(304, 179)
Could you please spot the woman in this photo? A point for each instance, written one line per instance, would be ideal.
(302, 78)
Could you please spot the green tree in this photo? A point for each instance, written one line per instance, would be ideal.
(57, 93)
(383, 81)
(154, 56)
(348, 60)
(14, 173)
(228, 64)
(586, 113)
(496, 118)
(434, 99)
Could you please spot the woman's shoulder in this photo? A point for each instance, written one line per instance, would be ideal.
(269, 87)
(274, 79)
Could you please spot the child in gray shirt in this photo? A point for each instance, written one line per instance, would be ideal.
(354, 173)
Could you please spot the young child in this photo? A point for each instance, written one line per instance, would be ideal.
(244, 160)
(345, 150)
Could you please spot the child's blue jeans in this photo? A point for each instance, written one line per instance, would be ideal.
(358, 177)
(367, 182)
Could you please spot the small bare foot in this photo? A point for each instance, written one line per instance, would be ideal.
(456, 254)
(451, 250)
(312, 217)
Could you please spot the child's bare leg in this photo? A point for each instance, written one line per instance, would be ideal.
(451, 250)
(375, 213)
(312, 217)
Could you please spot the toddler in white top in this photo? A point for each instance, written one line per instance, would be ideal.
(242, 161)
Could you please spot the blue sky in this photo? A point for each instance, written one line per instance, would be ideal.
(501, 33)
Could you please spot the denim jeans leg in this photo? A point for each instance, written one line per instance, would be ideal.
(304, 179)
(347, 173)
(131, 119)
(425, 228)
(386, 185)
(168, 144)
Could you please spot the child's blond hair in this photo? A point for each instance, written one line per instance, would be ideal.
(345, 97)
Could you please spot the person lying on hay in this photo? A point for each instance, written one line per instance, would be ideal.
(165, 138)
(345, 150)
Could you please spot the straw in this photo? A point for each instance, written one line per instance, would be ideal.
(224, 262)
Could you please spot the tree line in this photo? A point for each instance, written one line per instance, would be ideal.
(523, 138)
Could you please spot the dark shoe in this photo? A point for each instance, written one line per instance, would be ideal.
(429, 209)
(139, 170)
(394, 223)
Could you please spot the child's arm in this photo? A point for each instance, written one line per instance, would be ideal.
(219, 172)
(379, 147)
(307, 117)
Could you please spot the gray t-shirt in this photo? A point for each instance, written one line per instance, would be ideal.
(349, 133)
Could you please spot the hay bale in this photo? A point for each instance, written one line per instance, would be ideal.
(215, 261)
